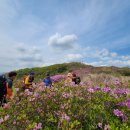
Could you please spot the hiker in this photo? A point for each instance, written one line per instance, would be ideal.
(24, 78)
(76, 79)
(3, 90)
(9, 84)
(28, 80)
(69, 78)
(47, 81)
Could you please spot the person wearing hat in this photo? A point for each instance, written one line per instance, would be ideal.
(69, 77)
(47, 80)
(29, 80)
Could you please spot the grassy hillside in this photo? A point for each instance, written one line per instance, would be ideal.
(83, 68)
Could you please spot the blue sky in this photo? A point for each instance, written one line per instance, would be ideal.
(45, 32)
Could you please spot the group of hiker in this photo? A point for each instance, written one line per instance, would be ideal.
(72, 77)
(6, 84)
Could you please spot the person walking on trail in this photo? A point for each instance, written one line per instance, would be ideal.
(47, 80)
(3, 90)
(76, 79)
(28, 80)
(9, 84)
(6, 87)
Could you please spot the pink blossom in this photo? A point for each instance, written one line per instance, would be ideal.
(65, 117)
(57, 78)
(97, 88)
(17, 89)
(67, 95)
(106, 127)
(128, 103)
(1, 120)
(6, 117)
(28, 93)
(106, 89)
(116, 82)
(121, 91)
(118, 113)
(124, 118)
(6, 106)
(38, 126)
(81, 84)
(91, 90)
(14, 122)
(100, 125)
(36, 95)
(73, 83)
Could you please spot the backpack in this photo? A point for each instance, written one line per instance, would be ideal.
(31, 79)
(78, 80)
(3, 89)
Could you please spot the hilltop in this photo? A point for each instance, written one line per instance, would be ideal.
(75, 66)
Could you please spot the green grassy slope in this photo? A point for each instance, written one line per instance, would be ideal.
(63, 68)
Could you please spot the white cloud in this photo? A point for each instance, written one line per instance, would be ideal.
(74, 57)
(62, 42)
(113, 54)
(20, 56)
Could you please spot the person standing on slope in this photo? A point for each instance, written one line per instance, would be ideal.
(69, 78)
(9, 84)
(47, 81)
(28, 80)
(76, 79)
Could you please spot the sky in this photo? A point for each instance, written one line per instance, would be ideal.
(36, 33)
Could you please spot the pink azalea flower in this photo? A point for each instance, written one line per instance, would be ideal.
(1, 120)
(36, 95)
(100, 125)
(17, 89)
(14, 122)
(65, 118)
(91, 90)
(128, 103)
(67, 95)
(73, 83)
(6, 106)
(97, 88)
(38, 126)
(118, 113)
(106, 127)
(106, 89)
(6, 117)
(116, 82)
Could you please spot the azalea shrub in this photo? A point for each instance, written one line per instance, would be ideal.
(87, 106)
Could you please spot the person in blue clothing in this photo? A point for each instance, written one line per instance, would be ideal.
(47, 81)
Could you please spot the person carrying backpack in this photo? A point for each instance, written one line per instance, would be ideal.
(47, 81)
(9, 84)
(76, 79)
(3, 90)
(28, 80)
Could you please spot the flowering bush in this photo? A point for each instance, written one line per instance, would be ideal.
(87, 106)
(57, 78)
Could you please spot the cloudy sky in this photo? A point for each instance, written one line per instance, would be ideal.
(44, 32)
